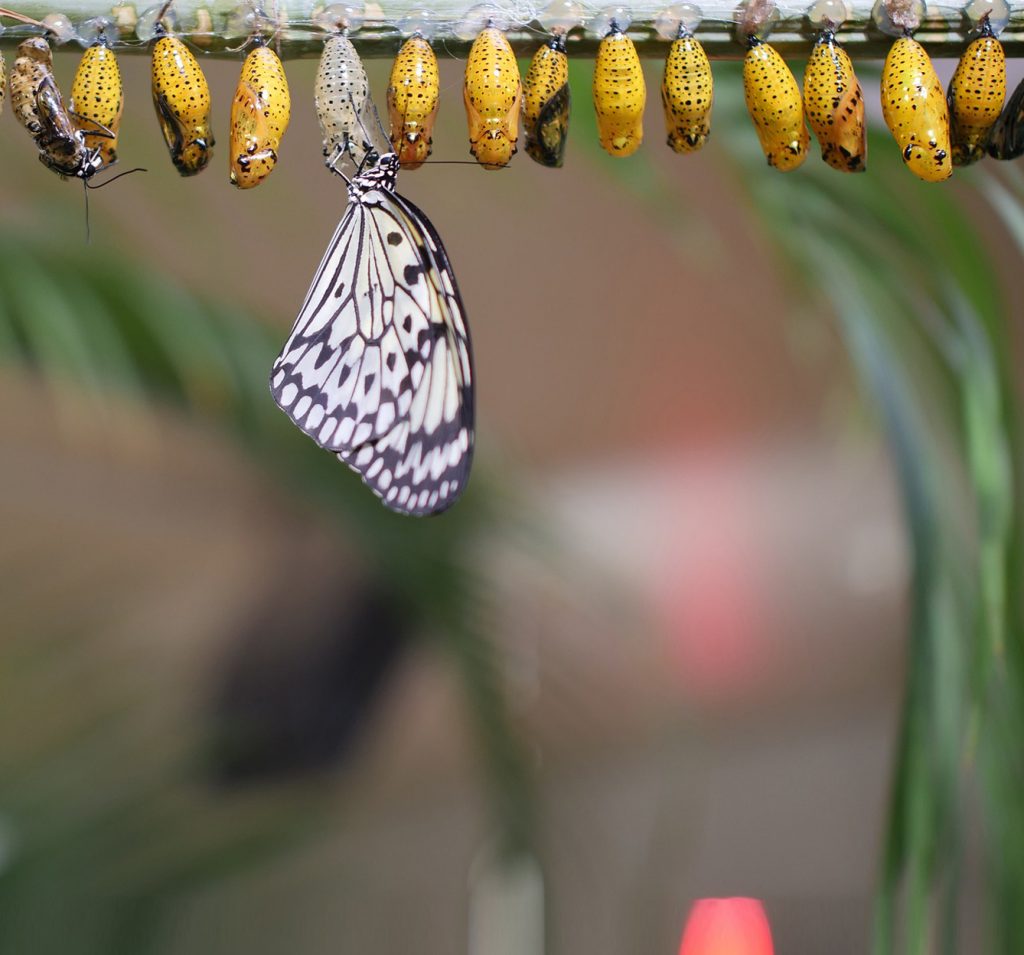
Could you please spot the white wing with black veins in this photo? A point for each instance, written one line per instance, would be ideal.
(378, 366)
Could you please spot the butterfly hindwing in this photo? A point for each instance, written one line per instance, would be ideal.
(378, 366)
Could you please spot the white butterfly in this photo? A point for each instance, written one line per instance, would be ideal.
(378, 367)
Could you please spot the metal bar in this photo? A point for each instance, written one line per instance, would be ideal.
(944, 32)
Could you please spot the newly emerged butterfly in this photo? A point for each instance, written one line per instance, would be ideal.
(37, 104)
(378, 366)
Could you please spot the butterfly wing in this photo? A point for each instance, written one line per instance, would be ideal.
(378, 366)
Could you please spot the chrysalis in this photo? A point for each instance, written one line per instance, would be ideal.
(834, 104)
(259, 117)
(620, 93)
(914, 108)
(546, 103)
(687, 92)
(413, 99)
(775, 105)
(181, 98)
(492, 93)
(975, 96)
(97, 100)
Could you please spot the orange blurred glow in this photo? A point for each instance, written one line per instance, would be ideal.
(711, 592)
(727, 927)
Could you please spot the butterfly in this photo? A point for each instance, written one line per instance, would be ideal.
(378, 367)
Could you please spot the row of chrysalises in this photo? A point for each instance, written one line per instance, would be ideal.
(935, 130)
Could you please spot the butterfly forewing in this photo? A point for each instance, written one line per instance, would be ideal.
(378, 366)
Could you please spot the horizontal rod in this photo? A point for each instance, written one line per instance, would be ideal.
(218, 29)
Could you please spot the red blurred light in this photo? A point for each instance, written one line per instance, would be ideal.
(727, 927)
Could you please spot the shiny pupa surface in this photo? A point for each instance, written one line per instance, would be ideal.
(915, 110)
(975, 97)
(346, 114)
(546, 102)
(259, 117)
(834, 104)
(775, 105)
(620, 94)
(492, 93)
(97, 100)
(37, 104)
(413, 99)
(181, 98)
(687, 93)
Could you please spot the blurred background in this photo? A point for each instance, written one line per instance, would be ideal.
(730, 607)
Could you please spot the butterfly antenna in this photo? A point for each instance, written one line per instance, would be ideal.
(380, 125)
(107, 182)
(369, 146)
(454, 162)
(333, 167)
(88, 230)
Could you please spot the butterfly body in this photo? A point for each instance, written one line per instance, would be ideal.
(181, 97)
(378, 366)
